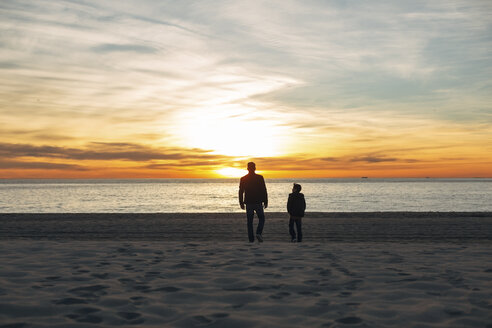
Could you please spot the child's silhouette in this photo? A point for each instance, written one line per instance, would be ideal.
(296, 205)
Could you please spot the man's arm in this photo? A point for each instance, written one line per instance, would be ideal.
(241, 194)
(289, 204)
(265, 201)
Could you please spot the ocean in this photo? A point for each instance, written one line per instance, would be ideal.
(220, 195)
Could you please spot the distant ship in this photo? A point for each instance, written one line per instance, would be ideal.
(363, 177)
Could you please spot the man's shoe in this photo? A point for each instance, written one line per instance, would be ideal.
(259, 237)
(293, 240)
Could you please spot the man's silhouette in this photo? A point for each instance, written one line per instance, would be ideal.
(252, 186)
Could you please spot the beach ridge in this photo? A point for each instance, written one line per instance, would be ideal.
(319, 226)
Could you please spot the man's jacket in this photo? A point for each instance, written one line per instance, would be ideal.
(253, 186)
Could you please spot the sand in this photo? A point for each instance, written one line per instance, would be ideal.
(322, 227)
(95, 281)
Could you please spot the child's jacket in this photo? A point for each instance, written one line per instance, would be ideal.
(296, 205)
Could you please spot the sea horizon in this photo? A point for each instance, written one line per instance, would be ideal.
(365, 178)
(220, 195)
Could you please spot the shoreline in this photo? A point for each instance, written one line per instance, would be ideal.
(460, 227)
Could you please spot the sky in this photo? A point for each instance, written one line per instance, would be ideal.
(196, 89)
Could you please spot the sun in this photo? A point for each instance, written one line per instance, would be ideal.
(232, 135)
(231, 172)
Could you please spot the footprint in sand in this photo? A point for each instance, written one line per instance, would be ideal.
(15, 325)
(126, 281)
(220, 315)
(87, 310)
(353, 285)
(184, 265)
(323, 303)
(139, 300)
(453, 312)
(100, 275)
(69, 301)
(202, 319)
(89, 291)
(349, 320)
(141, 288)
(309, 293)
(325, 273)
(85, 319)
(168, 289)
(279, 296)
(88, 316)
(261, 263)
(345, 294)
(129, 315)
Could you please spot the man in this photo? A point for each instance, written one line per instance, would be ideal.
(252, 186)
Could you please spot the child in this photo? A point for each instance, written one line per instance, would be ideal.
(296, 205)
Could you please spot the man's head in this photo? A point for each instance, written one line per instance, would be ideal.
(296, 188)
(251, 167)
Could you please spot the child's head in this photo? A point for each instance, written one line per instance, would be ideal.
(296, 188)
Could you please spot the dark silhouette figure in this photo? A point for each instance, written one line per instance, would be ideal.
(252, 187)
(296, 205)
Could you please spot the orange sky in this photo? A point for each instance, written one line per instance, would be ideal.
(178, 90)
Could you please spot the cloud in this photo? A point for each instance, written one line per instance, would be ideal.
(8, 65)
(330, 159)
(41, 165)
(106, 152)
(373, 159)
(306, 162)
(108, 47)
(120, 159)
(172, 157)
(46, 135)
(382, 159)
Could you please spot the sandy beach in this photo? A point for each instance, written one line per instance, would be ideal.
(321, 227)
(353, 270)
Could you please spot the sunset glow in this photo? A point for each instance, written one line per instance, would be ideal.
(231, 135)
(184, 90)
(231, 172)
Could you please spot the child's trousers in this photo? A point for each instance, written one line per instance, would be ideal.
(298, 221)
